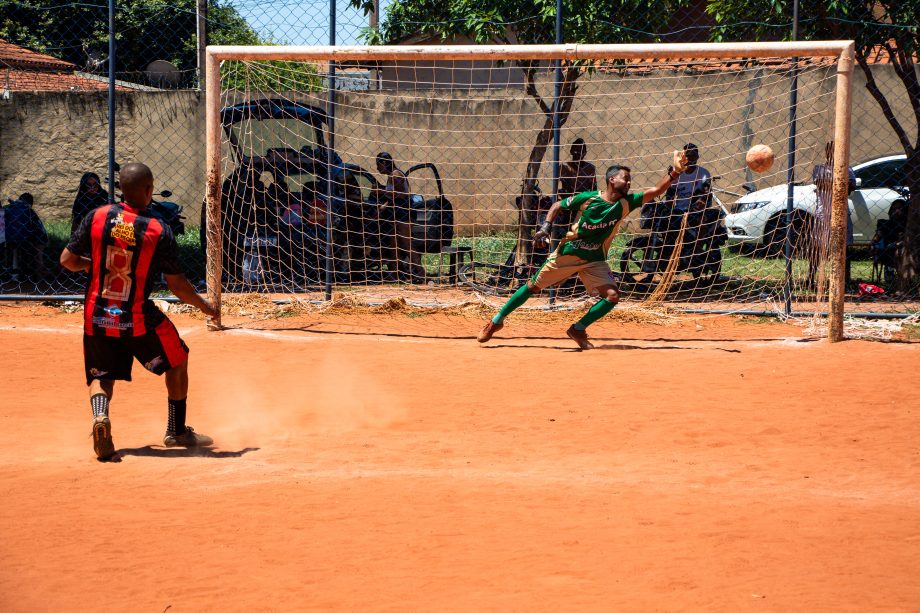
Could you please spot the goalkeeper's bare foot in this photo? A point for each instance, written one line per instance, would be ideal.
(488, 331)
(580, 337)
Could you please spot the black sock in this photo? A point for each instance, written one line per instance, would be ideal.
(176, 423)
(100, 404)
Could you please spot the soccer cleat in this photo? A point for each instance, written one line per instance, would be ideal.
(189, 438)
(102, 438)
(488, 331)
(580, 337)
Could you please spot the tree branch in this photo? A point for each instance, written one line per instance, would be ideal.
(904, 67)
(872, 86)
(567, 93)
(531, 90)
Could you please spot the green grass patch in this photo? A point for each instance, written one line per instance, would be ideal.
(190, 254)
(766, 273)
(760, 319)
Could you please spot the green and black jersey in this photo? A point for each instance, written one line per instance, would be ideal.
(596, 223)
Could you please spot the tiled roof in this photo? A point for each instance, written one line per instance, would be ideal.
(879, 55)
(15, 56)
(24, 70)
(12, 79)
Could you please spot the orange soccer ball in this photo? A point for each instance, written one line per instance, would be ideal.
(759, 158)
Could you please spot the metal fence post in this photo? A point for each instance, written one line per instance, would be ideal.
(790, 170)
(556, 128)
(330, 152)
(201, 38)
(111, 177)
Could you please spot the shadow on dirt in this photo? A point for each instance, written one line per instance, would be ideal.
(151, 451)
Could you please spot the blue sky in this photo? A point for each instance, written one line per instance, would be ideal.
(303, 22)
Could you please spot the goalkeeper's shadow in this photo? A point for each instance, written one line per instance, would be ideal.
(152, 451)
(603, 346)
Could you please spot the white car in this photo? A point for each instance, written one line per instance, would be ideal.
(756, 218)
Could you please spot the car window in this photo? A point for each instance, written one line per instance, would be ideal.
(423, 182)
(256, 137)
(298, 181)
(883, 174)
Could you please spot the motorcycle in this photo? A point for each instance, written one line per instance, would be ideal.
(170, 213)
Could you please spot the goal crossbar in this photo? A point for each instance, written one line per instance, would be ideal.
(842, 50)
(833, 48)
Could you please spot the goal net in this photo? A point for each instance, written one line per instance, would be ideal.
(423, 172)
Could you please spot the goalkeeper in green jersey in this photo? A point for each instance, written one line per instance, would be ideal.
(583, 251)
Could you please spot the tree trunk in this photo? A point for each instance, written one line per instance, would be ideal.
(909, 260)
(527, 214)
(528, 202)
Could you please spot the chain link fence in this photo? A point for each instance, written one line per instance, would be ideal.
(54, 119)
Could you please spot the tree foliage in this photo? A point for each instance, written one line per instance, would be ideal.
(524, 21)
(888, 29)
(146, 30)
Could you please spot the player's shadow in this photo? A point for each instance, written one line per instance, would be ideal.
(151, 451)
(607, 346)
(309, 330)
(445, 337)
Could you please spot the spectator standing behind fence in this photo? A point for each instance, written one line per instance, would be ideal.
(823, 176)
(90, 196)
(575, 176)
(26, 233)
(396, 194)
(694, 182)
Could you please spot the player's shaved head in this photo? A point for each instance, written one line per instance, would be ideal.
(136, 181)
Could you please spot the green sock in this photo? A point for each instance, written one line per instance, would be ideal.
(517, 299)
(594, 313)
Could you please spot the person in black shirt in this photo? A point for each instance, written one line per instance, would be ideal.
(90, 196)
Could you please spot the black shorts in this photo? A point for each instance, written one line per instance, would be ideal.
(110, 358)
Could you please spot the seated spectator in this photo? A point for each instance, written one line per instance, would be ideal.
(888, 239)
(90, 196)
(26, 235)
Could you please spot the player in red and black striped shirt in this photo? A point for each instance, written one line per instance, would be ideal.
(124, 249)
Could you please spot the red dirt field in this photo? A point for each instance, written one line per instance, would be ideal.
(391, 463)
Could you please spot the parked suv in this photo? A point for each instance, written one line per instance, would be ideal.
(756, 219)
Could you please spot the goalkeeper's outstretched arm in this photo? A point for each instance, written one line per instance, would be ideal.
(680, 164)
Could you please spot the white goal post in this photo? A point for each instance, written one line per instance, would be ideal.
(842, 51)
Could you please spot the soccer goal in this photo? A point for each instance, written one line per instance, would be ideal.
(423, 172)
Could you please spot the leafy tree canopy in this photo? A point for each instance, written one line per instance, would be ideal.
(146, 30)
(524, 21)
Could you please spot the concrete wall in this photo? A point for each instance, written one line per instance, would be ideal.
(480, 140)
(48, 140)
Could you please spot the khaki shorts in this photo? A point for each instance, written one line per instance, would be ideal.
(558, 268)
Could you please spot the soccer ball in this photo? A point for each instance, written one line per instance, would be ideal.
(759, 158)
